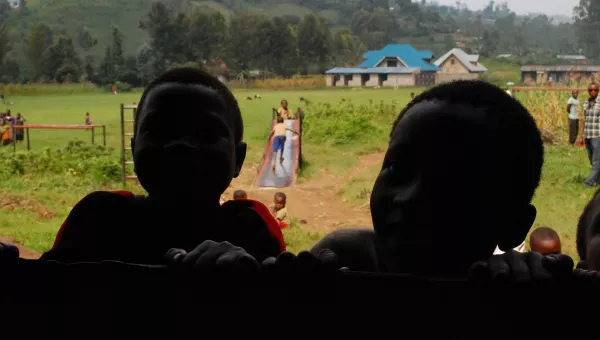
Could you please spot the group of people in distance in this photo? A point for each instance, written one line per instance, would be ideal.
(441, 204)
(589, 131)
(8, 132)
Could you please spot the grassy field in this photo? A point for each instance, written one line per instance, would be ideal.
(33, 205)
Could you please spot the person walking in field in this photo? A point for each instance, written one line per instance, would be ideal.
(114, 89)
(573, 108)
(88, 119)
(591, 134)
(279, 131)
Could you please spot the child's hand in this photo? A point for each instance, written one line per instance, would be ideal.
(211, 256)
(8, 252)
(304, 262)
(514, 267)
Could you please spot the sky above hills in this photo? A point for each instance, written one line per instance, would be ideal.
(553, 7)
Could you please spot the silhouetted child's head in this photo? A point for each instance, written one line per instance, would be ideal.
(279, 119)
(280, 201)
(240, 195)
(588, 233)
(545, 241)
(199, 157)
(457, 179)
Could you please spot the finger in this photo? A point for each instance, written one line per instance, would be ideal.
(539, 271)
(519, 268)
(499, 269)
(307, 262)
(208, 260)
(8, 251)
(193, 256)
(285, 262)
(329, 260)
(237, 261)
(559, 265)
(175, 255)
(480, 272)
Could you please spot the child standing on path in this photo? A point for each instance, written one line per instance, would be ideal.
(279, 139)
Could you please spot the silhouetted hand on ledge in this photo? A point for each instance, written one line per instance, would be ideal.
(211, 256)
(8, 252)
(304, 262)
(513, 267)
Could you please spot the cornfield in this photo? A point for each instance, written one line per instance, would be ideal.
(305, 82)
(550, 112)
(38, 88)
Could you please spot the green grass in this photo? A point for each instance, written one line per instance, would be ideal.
(559, 200)
(501, 71)
(58, 193)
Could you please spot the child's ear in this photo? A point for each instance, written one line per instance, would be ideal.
(240, 156)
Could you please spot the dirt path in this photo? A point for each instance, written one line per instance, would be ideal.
(315, 201)
(23, 252)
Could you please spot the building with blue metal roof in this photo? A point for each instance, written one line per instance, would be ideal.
(394, 65)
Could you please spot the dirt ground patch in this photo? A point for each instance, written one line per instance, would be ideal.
(12, 203)
(315, 201)
(23, 252)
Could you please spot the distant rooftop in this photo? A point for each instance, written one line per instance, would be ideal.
(373, 70)
(464, 58)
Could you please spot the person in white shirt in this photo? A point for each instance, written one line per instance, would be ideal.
(573, 111)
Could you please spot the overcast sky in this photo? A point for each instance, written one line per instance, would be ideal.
(564, 7)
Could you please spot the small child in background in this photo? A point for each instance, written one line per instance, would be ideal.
(280, 210)
(88, 119)
(545, 241)
(240, 195)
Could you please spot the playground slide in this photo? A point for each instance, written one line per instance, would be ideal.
(285, 174)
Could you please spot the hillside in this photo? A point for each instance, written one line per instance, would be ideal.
(100, 15)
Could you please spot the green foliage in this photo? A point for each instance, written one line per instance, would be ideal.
(39, 40)
(121, 87)
(347, 124)
(76, 159)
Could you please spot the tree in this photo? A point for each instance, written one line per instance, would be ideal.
(39, 40)
(85, 39)
(314, 42)
(587, 23)
(278, 43)
(22, 6)
(167, 37)
(207, 34)
(5, 41)
(244, 50)
(346, 48)
(144, 63)
(61, 62)
(118, 57)
(107, 67)
(5, 10)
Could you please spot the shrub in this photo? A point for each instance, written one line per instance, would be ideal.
(121, 87)
(345, 123)
(76, 159)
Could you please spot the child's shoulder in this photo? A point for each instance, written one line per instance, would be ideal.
(103, 199)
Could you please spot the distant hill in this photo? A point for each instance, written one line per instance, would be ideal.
(100, 15)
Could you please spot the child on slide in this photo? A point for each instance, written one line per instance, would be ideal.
(279, 139)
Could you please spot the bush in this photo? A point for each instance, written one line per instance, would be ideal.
(33, 89)
(345, 123)
(121, 87)
(77, 159)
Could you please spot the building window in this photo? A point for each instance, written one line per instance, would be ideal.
(452, 61)
(392, 63)
(474, 63)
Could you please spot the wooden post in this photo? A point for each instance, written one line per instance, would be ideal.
(123, 165)
(14, 138)
(104, 134)
(93, 135)
(27, 135)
